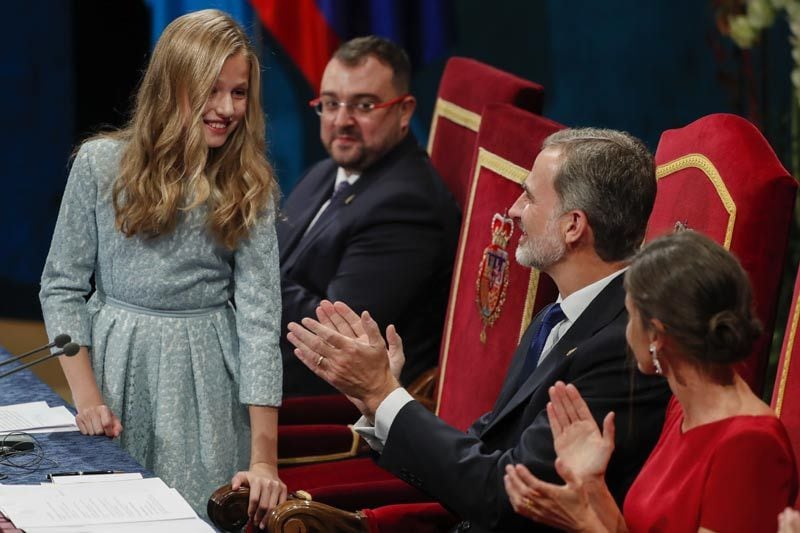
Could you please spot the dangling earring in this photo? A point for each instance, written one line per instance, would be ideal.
(654, 355)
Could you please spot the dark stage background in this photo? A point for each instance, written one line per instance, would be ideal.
(69, 69)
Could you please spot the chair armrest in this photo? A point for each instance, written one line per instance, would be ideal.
(318, 443)
(313, 517)
(337, 409)
(423, 389)
(311, 428)
(227, 508)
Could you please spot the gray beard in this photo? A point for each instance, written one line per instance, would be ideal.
(541, 253)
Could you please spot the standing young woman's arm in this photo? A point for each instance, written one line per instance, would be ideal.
(258, 319)
(65, 283)
(266, 488)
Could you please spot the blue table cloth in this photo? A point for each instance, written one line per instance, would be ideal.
(58, 452)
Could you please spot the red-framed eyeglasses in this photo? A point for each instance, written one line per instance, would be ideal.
(324, 105)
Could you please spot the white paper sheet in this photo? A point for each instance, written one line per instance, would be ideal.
(87, 504)
(188, 525)
(57, 429)
(35, 416)
(95, 478)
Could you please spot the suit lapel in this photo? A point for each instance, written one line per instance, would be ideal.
(331, 212)
(601, 311)
(321, 189)
(329, 215)
(517, 362)
(291, 231)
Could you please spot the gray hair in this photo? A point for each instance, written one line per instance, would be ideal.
(610, 176)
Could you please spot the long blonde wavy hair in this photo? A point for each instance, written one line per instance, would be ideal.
(167, 166)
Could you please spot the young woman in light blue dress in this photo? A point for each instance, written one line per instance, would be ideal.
(174, 217)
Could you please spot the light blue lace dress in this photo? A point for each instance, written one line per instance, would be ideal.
(172, 358)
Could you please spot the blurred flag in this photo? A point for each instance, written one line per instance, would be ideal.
(310, 30)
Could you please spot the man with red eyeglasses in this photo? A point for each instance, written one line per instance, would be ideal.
(373, 225)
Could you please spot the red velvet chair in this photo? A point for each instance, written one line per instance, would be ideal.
(485, 321)
(488, 311)
(786, 392)
(466, 87)
(718, 175)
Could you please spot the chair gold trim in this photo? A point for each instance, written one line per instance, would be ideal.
(454, 113)
(353, 452)
(512, 172)
(787, 357)
(530, 300)
(701, 162)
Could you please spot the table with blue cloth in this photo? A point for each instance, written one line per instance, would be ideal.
(60, 452)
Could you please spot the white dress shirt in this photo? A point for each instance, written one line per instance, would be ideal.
(341, 176)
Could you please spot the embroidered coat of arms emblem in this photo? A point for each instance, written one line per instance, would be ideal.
(493, 271)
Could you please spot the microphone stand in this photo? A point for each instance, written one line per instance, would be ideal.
(60, 341)
(69, 350)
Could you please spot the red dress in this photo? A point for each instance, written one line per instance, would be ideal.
(734, 474)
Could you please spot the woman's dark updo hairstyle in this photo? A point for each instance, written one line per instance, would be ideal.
(701, 294)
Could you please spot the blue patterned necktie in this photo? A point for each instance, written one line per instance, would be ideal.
(552, 316)
(338, 198)
(341, 190)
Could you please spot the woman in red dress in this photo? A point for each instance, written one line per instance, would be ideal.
(724, 461)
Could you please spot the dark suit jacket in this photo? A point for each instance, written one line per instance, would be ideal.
(388, 247)
(465, 471)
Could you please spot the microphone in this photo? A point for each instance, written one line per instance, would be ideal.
(60, 341)
(69, 350)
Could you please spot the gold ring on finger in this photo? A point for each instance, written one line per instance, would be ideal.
(528, 503)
